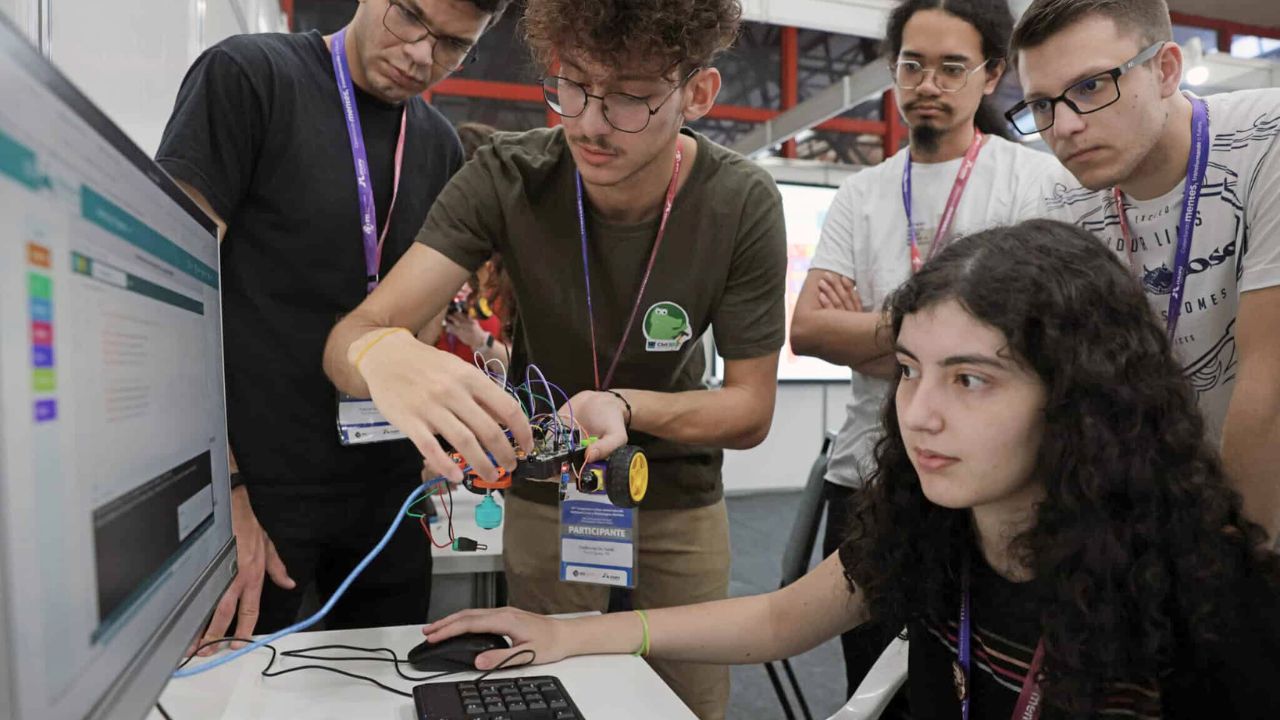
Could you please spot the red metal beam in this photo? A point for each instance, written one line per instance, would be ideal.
(515, 92)
(895, 132)
(854, 126)
(286, 7)
(790, 79)
(488, 89)
(1224, 26)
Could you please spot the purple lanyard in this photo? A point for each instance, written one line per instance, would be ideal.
(364, 186)
(1197, 165)
(953, 201)
(1029, 699)
(644, 281)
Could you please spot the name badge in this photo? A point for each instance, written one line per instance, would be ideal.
(597, 538)
(360, 423)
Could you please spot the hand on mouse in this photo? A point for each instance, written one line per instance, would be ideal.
(528, 631)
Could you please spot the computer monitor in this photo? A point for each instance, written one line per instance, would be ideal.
(804, 210)
(115, 525)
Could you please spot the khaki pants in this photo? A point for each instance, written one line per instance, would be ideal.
(683, 558)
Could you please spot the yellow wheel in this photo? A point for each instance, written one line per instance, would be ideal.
(627, 477)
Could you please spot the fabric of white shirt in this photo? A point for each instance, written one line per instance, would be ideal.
(865, 239)
(1235, 248)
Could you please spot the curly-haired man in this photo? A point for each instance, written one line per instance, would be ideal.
(627, 237)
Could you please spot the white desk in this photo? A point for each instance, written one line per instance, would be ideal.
(483, 565)
(610, 687)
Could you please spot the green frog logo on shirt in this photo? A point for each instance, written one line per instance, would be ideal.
(666, 327)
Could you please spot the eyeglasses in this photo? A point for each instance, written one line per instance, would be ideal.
(1087, 96)
(408, 27)
(948, 77)
(625, 113)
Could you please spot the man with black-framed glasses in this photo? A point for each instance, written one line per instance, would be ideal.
(627, 238)
(1187, 191)
(319, 159)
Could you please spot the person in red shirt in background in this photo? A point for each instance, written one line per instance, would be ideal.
(476, 321)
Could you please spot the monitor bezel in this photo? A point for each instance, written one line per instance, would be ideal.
(145, 675)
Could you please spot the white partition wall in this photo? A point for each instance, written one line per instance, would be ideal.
(129, 56)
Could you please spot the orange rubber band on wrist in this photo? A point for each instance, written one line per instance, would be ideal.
(375, 341)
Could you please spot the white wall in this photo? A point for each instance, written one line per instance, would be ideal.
(129, 56)
(803, 413)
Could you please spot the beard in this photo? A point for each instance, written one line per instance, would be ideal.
(926, 137)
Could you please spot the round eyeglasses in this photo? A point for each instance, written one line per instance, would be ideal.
(625, 113)
(948, 77)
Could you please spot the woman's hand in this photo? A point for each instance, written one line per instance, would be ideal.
(545, 636)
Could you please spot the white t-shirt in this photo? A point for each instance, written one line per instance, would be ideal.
(1235, 248)
(865, 239)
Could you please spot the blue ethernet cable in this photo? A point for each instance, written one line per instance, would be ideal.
(308, 622)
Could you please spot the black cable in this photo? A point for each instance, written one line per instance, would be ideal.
(306, 654)
(502, 665)
(267, 672)
(163, 714)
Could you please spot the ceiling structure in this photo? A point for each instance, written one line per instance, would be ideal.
(1264, 13)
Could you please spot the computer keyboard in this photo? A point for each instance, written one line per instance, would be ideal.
(522, 698)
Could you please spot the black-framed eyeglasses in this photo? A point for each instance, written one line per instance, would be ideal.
(625, 113)
(948, 77)
(407, 27)
(1090, 95)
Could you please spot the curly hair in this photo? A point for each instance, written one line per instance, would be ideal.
(1139, 546)
(656, 34)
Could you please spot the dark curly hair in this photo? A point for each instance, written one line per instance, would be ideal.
(1139, 546)
(659, 34)
(992, 20)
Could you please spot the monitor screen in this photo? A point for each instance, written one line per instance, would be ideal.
(115, 523)
(804, 208)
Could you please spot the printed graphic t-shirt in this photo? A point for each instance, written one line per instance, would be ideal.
(1235, 249)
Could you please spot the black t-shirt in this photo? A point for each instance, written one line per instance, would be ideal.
(1238, 678)
(258, 129)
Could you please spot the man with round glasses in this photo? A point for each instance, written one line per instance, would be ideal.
(959, 175)
(1187, 191)
(319, 159)
(615, 224)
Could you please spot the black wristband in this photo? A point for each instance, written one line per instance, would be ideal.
(488, 342)
(626, 404)
(237, 479)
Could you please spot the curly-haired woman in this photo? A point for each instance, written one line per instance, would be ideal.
(1044, 500)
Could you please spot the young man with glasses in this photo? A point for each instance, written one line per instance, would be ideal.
(319, 159)
(958, 175)
(1187, 191)
(627, 238)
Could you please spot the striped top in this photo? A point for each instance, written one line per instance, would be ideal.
(1238, 678)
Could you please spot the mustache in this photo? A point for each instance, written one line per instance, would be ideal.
(597, 143)
(916, 104)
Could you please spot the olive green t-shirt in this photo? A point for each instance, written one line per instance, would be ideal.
(721, 266)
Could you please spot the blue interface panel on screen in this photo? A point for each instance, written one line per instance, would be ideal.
(115, 528)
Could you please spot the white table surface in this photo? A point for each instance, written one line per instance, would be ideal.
(450, 562)
(605, 687)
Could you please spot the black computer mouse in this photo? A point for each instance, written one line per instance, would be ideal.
(456, 653)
